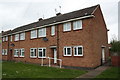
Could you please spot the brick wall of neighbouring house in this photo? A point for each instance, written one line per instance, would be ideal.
(91, 37)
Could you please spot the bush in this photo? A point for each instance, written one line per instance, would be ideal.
(115, 47)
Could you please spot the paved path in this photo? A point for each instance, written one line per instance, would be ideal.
(93, 73)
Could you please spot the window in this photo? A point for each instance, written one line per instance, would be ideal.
(78, 50)
(6, 38)
(5, 51)
(22, 51)
(2, 51)
(67, 51)
(33, 34)
(41, 52)
(53, 30)
(3, 39)
(77, 25)
(16, 37)
(33, 52)
(16, 52)
(67, 26)
(22, 36)
(42, 32)
(11, 38)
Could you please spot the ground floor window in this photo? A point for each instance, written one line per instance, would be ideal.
(78, 50)
(33, 52)
(4, 51)
(67, 51)
(41, 52)
(16, 52)
(22, 51)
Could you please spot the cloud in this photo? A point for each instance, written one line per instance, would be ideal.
(15, 13)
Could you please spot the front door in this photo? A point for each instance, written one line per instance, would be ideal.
(55, 56)
(103, 55)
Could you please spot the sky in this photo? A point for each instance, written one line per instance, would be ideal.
(16, 13)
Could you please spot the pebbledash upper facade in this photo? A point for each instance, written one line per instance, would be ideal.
(78, 38)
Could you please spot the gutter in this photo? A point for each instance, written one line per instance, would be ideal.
(54, 24)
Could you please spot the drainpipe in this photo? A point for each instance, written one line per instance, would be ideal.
(57, 41)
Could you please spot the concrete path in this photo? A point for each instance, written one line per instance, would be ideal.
(93, 73)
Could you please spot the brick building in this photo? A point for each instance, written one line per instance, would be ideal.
(78, 38)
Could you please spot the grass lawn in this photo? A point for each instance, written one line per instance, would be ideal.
(113, 72)
(21, 70)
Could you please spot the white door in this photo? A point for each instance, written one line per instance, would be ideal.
(55, 56)
(103, 55)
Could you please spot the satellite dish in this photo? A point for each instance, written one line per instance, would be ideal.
(45, 39)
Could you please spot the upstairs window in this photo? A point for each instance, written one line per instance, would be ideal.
(41, 52)
(3, 39)
(78, 50)
(11, 38)
(67, 51)
(6, 38)
(77, 25)
(22, 51)
(53, 30)
(16, 52)
(22, 36)
(16, 37)
(42, 32)
(67, 26)
(33, 52)
(33, 34)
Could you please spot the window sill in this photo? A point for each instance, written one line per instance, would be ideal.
(41, 57)
(67, 31)
(78, 55)
(16, 56)
(22, 56)
(33, 56)
(77, 29)
(67, 55)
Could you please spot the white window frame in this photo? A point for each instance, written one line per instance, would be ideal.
(2, 51)
(11, 38)
(33, 53)
(6, 38)
(3, 39)
(33, 34)
(22, 52)
(42, 52)
(67, 51)
(52, 30)
(16, 37)
(67, 26)
(5, 52)
(77, 50)
(42, 32)
(77, 24)
(22, 36)
(16, 52)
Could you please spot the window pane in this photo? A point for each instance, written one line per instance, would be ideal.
(34, 34)
(35, 52)
(64, 51)
(75, 51)
(40, 53)
(53, 30)
(67, 26)
(68, 51)
(79, 50)
(43, 52)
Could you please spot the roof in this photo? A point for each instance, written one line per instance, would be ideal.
(63, 17)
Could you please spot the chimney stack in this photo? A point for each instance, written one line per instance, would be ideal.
(58, 14)
(40, 19)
